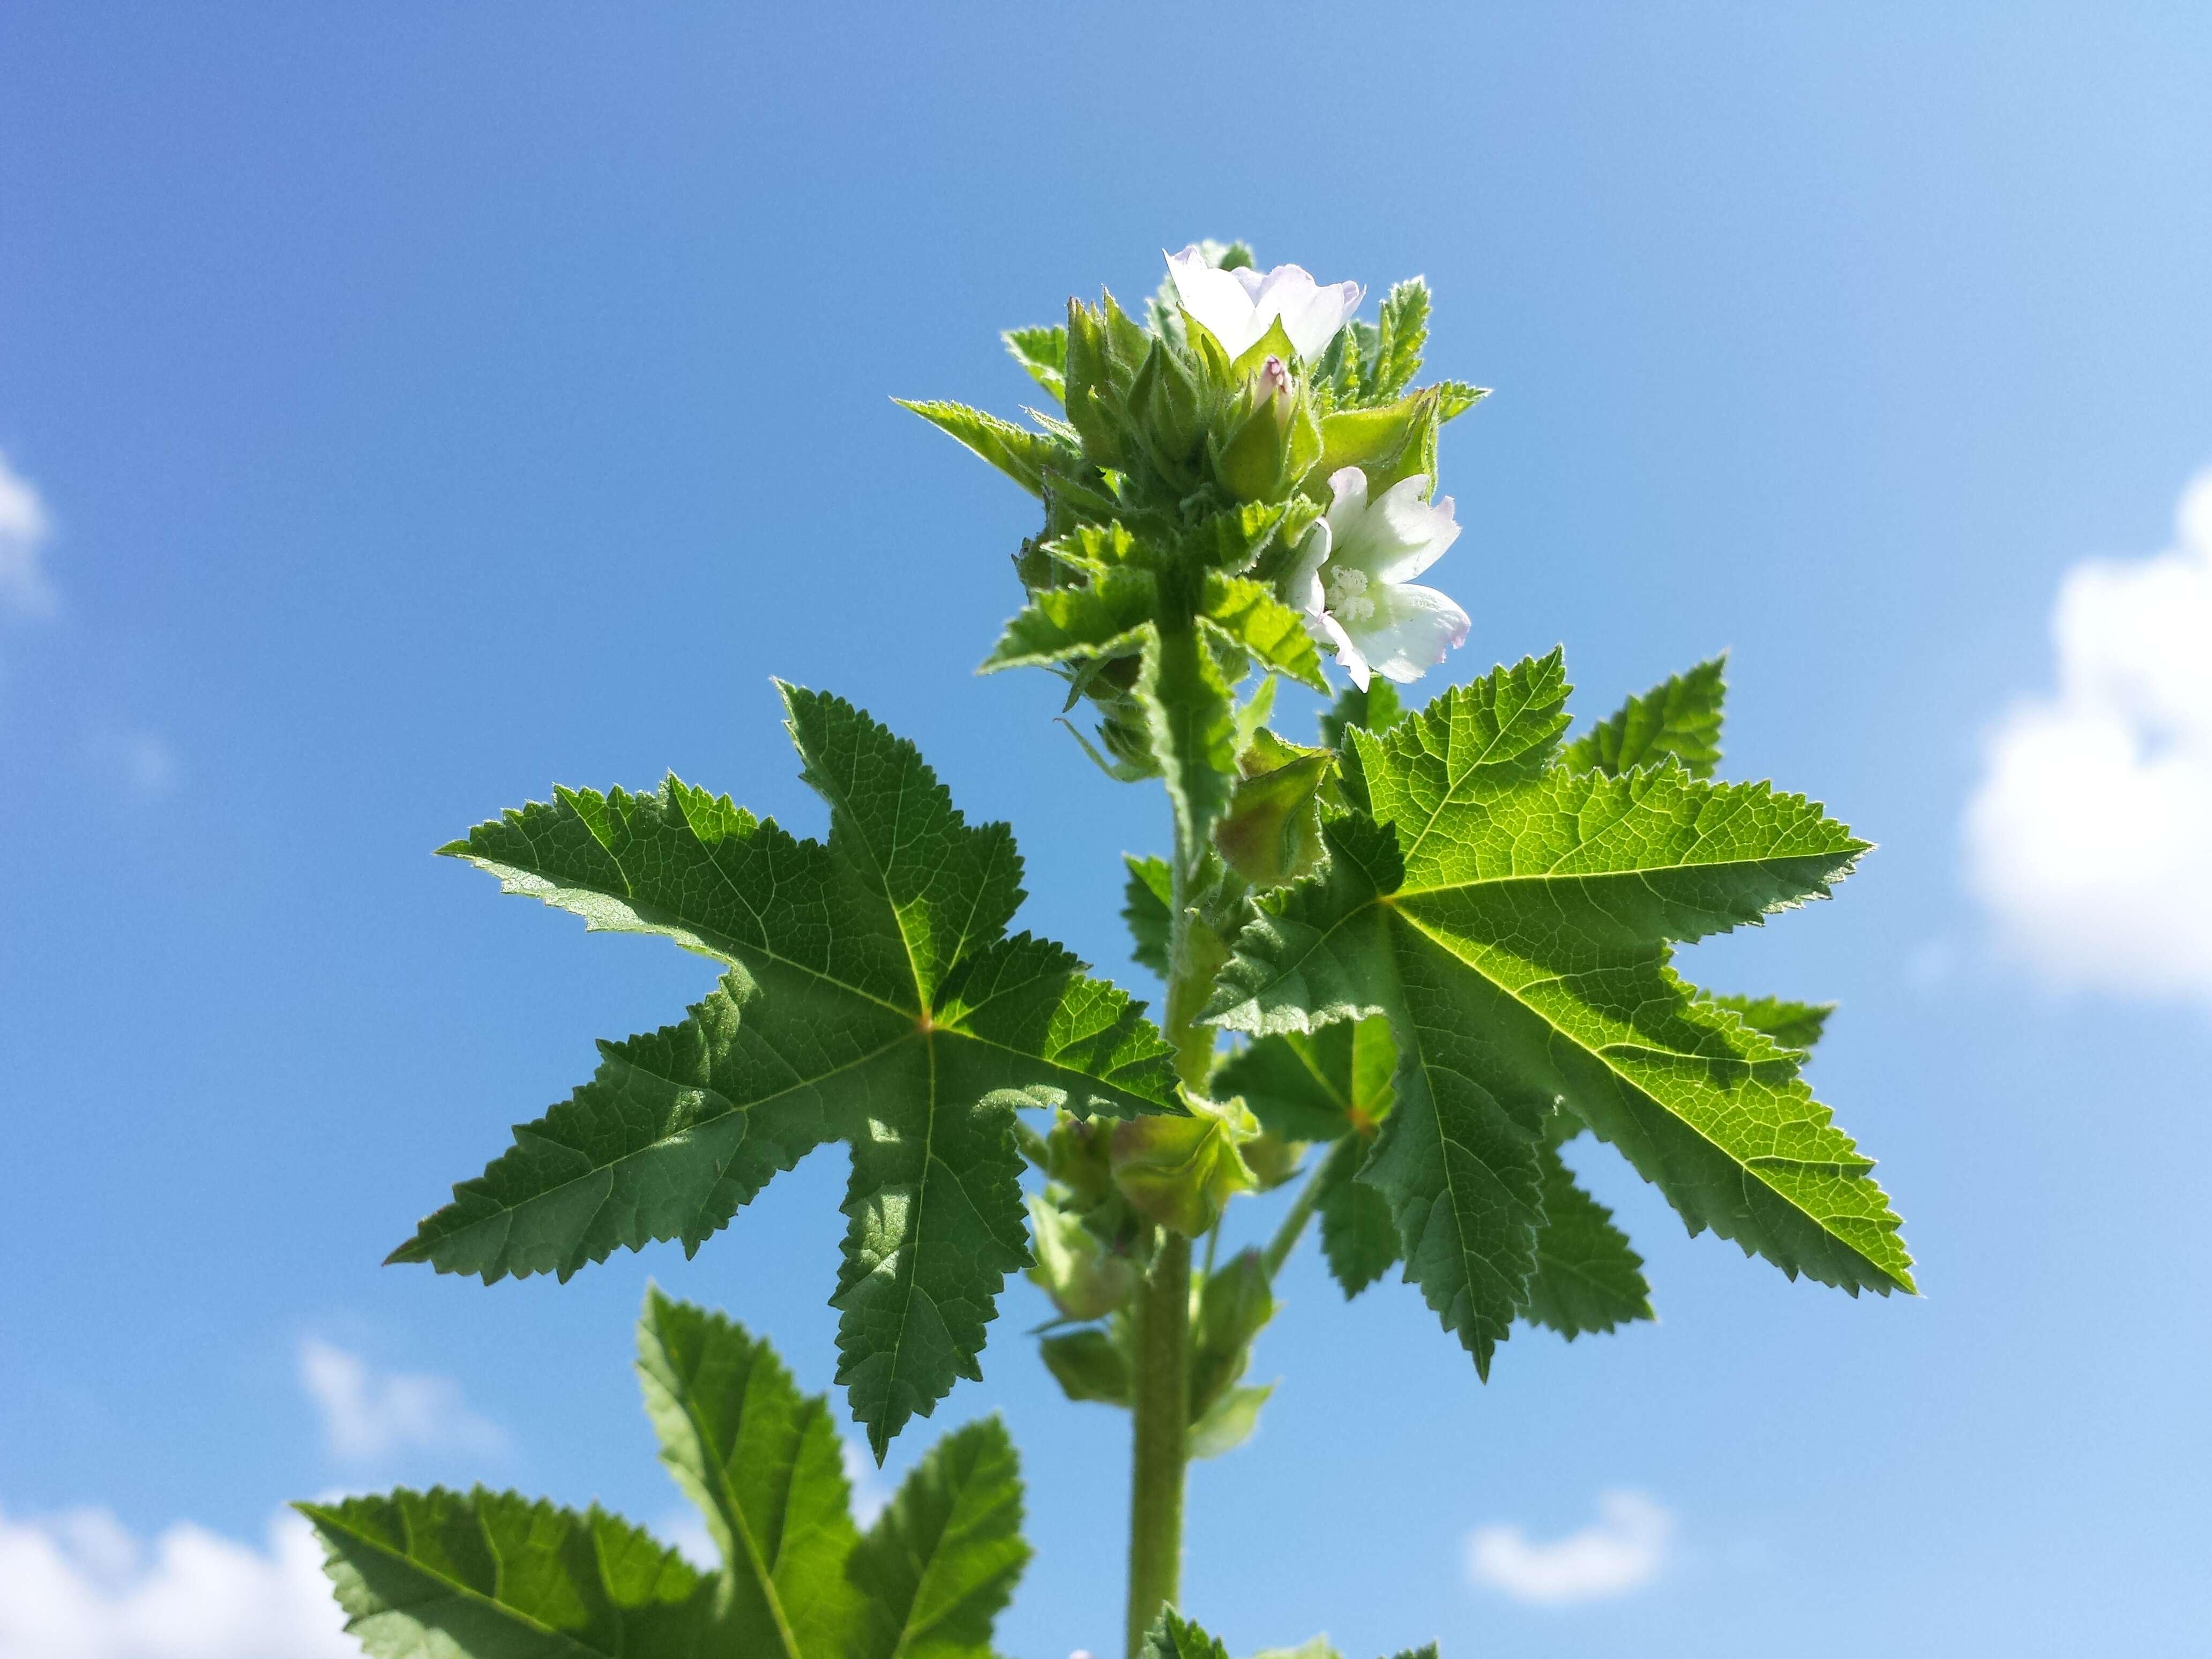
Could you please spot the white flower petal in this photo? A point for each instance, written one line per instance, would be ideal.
(1219, 301)
(1302, 584)
(1326, 631)
(1313, 322)
(1420, 530)
(1411, 629)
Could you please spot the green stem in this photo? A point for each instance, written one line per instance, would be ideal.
(1160, 1387)
(1162, 1412)
(1293, 1226)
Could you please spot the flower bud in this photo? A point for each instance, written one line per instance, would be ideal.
(1180, 1171)
(1254, 462)
(1084, 1279)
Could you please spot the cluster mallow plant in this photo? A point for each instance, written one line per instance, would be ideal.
(1404, 967)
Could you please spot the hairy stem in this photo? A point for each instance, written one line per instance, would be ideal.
(1162, 1409)
(1160, 1405)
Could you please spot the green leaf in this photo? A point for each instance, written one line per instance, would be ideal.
(1190, 716)
(1377, 708)
(872, 997)
(1109, 615)
(1174, 1636)
(943, 1557)
(1022, 455)
(1455, 398)
(763, 1465)
(1316, 1085)
(1793, 1024)
(1513, 919)
(1088, 1364)
(486, 1574)
(1043, 353)
(1402, 331)
(1313, 1647)
(1249, 613)
(1680, 717)
(1359, 1236)
(1146, 897)
(1588, 1277)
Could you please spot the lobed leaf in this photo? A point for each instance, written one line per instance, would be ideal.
(764, 1464)
(943, 1557)
(872, 996)
(484, 1573)
(1022, 455)
(1588, 1276)
(1512, 919)
(1794, 1025)
(1680, 717)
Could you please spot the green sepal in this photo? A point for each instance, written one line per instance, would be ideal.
(1275, 343)
(1180, 1171)
(1389, 444)
(1228, 1423)
(1270, 834)
(1022, 455)
(1073, 1267)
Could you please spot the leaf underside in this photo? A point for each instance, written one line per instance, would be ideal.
(871, 996)
(1513, 919)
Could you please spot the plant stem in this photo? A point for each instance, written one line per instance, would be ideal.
(1160, 1389)
(1161, 1412)
(1293, 1226)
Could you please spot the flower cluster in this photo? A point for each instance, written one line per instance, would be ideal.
(1241, 479)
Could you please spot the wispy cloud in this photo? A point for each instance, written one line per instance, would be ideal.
(25, 588)
(80, 1586)
(368, 1414)
(1623, 1550)
(2091, 831)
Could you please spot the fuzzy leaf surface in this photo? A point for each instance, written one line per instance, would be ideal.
(1022, 455)
(494, 1576)
(943, 1558)
(1513, 919)
(765, 1465)
(872, 997)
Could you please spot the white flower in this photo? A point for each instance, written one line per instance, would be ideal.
(1353, 579)
(1236, 306)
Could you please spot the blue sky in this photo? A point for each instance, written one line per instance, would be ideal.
(416, 405)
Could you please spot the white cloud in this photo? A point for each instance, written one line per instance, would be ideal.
(368, 1414)
(79, 1586)
(24, 529)
(2091, 832)
(1623, 1550)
